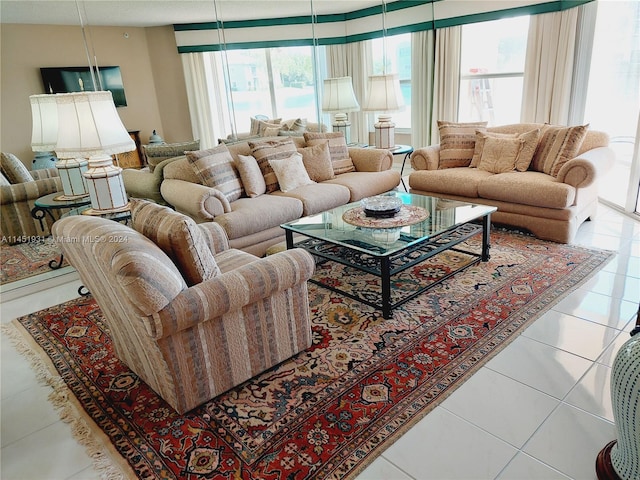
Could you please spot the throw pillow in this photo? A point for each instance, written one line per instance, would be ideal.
(317, 161)
(4, 182)
(266, 150)
(499, 155)
(255, 124)
(338, 150)
(251, 176)
(215, 168)
(457, 142)
(557, 146)
(13, 169)
(530, 142)
(178, 236)
(290, 172)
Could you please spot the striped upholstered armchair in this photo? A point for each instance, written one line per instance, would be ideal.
(183, 309)
(19, 189)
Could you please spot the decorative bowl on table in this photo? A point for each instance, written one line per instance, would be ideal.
(381, 206)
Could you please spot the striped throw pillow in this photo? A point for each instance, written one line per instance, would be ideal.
(266, 150)
(557, 146)
(457, 142)
(215, 168)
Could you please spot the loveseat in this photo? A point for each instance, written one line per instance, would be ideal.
(236, 187)
(542, 178)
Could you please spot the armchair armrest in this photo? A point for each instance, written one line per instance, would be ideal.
(144, 183)
(27, 191)
(234, 290)
(43, 173)
(371, 159)
(200, 202)
(426, 158)
(582, 171)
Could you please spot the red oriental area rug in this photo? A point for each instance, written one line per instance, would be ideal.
(327, 412)
(28, 259)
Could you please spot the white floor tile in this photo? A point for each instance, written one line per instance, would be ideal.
(614, 285)
(548, 369)
(570, 440)
(523, 466)
(444, 446)
(593, 392)
(382, 469)
(17, 374)
(52, 454)
(603, 309)
(572, 334)
(495, 403)
(609, 355)
(624, 265)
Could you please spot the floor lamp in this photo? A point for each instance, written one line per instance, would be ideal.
(338, 97)
(89, 127)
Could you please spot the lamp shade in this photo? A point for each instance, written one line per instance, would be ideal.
(44, 117)
(90, 126)
(338, 95)
(384, 94)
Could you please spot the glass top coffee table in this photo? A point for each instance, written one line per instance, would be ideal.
(384, 247)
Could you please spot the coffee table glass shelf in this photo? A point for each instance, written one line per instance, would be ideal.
(387, 247)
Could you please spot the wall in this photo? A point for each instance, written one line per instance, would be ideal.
(151, 102)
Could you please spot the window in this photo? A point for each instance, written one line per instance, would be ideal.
(492, 70)
(276, 82)
(398, 60)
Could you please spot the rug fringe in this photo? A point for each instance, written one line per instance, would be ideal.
(64, 403)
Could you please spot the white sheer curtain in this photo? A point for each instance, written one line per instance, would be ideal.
(422, 60)
(208, 110)
(446, 77)
(546, 96)
(353, 60)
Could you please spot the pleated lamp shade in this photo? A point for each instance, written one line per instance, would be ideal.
(384, 96)
(338, 97)
(89, 127)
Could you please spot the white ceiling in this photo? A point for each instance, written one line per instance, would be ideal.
(146, 13)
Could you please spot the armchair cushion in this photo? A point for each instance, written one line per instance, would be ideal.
(178, 236)
(157, 153)
(338, 150)
(216, 169)
(14, 169)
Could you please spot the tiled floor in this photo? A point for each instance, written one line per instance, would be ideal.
(540, 409)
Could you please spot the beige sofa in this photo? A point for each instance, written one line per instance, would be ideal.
(551, 204)
(253, 224)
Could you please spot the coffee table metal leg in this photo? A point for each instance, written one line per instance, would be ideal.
(486, 240)
(385, 281)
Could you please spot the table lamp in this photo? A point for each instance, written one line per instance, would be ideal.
(44, 136)
(338, 97)
(89, 127)
(384, 96)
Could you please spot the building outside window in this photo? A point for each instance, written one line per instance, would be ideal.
(492, 70)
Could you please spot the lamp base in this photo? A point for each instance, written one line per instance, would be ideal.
(385, 131)
(96, 212)
(62, 198)
(342, 124)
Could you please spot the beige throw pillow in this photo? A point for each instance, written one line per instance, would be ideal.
(338, 150)
(557, 146)
(252, 179)
(499, 155)
(178, 236)
(215, 168)
(317, 161)
(290, 172)
(457, 142)
(266, 150)
(255, 124)
(530, 142)
(13, 169)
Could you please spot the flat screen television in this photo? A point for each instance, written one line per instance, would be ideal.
(78, 79)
